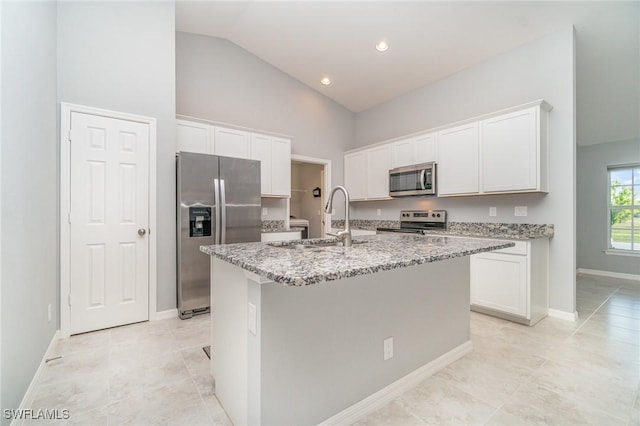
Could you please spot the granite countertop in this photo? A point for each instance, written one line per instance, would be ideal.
(508, 231)
(369, 254)
(269, 226)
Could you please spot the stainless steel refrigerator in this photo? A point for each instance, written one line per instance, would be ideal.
(218, 202)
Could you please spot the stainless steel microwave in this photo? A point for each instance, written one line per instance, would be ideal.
(413, 180)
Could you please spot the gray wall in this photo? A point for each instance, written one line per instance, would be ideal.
(29, 192)
(217, 80)
(540, 69)
(592, 215)
(121, 56)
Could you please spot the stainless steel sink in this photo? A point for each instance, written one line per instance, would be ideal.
(311, 245)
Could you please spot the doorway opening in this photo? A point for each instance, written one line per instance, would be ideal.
(310, 179)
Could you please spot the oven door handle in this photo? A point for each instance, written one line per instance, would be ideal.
(423, 176)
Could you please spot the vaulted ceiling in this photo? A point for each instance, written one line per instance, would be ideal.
(431, 40)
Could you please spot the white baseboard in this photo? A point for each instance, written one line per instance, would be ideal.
(29, 395)
(371, 403)
(563, 315)
(162, 315)
(609, 274)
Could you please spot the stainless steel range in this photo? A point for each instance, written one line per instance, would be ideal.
(419, 222)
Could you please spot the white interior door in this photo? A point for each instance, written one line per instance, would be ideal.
(109, 221)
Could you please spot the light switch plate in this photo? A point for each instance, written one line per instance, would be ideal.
(379, 212)
(492, 211)
(265, 211)
(520, 211)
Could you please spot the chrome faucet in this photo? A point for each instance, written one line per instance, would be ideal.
(345, 234)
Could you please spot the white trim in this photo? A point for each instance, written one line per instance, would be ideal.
(628, 253)
(29, 395)
(327, 181)
(163, 315)
(563, 315)
(609, 274)
(371, 403)
(65, 199)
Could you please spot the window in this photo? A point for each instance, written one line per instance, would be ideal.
(624, 208)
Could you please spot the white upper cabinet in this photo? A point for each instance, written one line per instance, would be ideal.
(366, 173)
(355, 175)
(426, 148)
(499, 153)
(274, 155)
(416, 150)
(193, 137)
(231, 142)
(513, 153)
(458, 161)
(280, 167)
(403, 153)
(378, 165)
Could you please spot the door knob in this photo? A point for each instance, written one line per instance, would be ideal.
(142, 231)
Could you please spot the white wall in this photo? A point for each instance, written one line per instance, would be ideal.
(219, 81)
(29, 193)
(592, 207)
(121, 56)
(540, 69)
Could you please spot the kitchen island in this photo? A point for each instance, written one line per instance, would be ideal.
(301, 330)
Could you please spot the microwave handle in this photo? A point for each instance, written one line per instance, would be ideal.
(423, 175)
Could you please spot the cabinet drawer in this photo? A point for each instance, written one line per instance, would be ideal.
(519, 248)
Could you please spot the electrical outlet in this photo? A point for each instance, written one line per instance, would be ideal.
(388, 348)
(333, 211)
(49, 312)
(492, 211)
(520, 211)
(265, 211)
(253, 319)
(379, 212)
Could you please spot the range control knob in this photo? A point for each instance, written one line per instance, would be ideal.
(438, 214)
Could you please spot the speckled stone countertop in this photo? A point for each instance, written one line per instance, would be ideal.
(368, 255)
(510, 231)
(269, 226)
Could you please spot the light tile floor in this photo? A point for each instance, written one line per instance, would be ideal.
(556, 372)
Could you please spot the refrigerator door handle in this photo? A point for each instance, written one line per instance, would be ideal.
(223, 213)
(217, 209)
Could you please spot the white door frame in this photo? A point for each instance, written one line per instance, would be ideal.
(66, 110)
(327, 183)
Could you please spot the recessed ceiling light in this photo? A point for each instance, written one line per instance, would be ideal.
(381, 46)
(326, 81)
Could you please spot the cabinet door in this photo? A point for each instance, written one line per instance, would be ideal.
(355, 175)
(404, 153)
(425, 149)
(193, 137)
(281, 167)
(499, 281)
(231, 143)
(378, 165)
(261, 151)
(509, 157)
(458, 161)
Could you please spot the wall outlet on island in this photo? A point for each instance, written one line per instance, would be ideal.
(265, 211)
(379, 212)
(520, 211)
(492, 211)
(388, 348)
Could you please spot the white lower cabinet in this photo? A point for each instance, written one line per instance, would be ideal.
(512, 283)
(280, 236)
